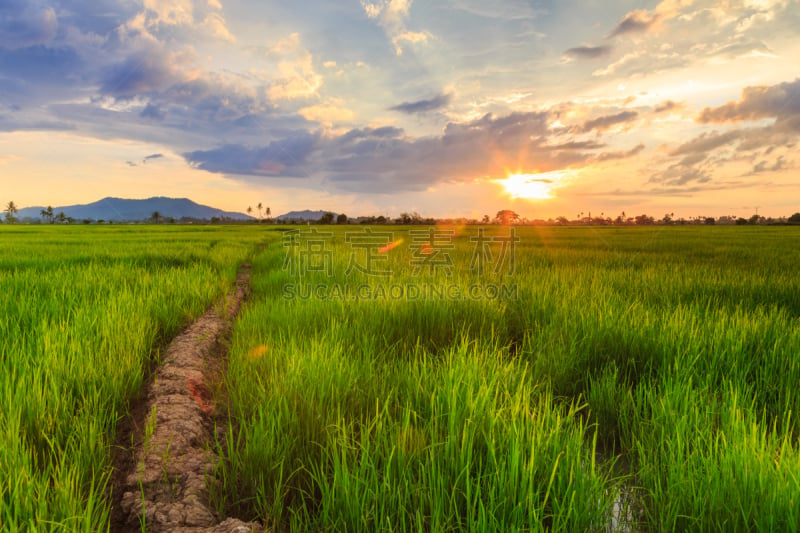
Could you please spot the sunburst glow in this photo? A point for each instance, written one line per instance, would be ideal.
(533, 186)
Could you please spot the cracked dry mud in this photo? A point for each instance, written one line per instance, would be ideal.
(164, 479)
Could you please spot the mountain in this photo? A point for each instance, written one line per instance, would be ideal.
(303, 215)
(121, 209)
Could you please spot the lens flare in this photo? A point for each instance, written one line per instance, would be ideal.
(257, 352)
(390, 246)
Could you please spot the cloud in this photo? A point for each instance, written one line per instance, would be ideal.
(765, 166)
(577, 145)
(709, 153)
(152, 111)
(644, 62)
(215, 24)
(160, 16)
(685, 192)
(21, 124)
(698, 33)
(588, 52)
(26, 23)
(143, 72)
(151, 157)
(385, 160)
(610, 156)
(35, 65)
(328, 113)
(667, 105)
(605, 122)
(421, 106)
(780, 101)
(170, 12)
(285, 157)
(679, 175)
(391, 16)
(411, 37)
(296, 77)
(706, 142)
(642, 20)
(638, 21)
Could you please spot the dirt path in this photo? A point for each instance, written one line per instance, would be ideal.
(162, 475)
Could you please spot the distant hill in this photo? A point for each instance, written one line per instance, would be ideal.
(120, 209)
(303, 215)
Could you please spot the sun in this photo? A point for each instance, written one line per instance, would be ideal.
(536, 185)
(529, 186)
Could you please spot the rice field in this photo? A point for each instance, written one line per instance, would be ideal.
(394, 379)
(85, 314)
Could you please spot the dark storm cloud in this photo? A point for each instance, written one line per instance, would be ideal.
(421, 106)
(588, 52)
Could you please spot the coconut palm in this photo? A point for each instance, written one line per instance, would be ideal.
(11, 210)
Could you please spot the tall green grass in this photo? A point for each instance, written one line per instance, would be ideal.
(653, 365)
(85, 311)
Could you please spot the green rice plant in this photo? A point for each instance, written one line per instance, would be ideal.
(636, 373)
(85, 313)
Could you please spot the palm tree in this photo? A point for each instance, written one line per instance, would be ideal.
(155, 217)
(269, 212)
(47, 214)
(11, 210)
(249, 210)
(260, 207)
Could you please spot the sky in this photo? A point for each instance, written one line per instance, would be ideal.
(377, 107)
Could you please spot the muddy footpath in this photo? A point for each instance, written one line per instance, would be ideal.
(164, 458)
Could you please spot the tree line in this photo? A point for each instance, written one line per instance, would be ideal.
(504, 217)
